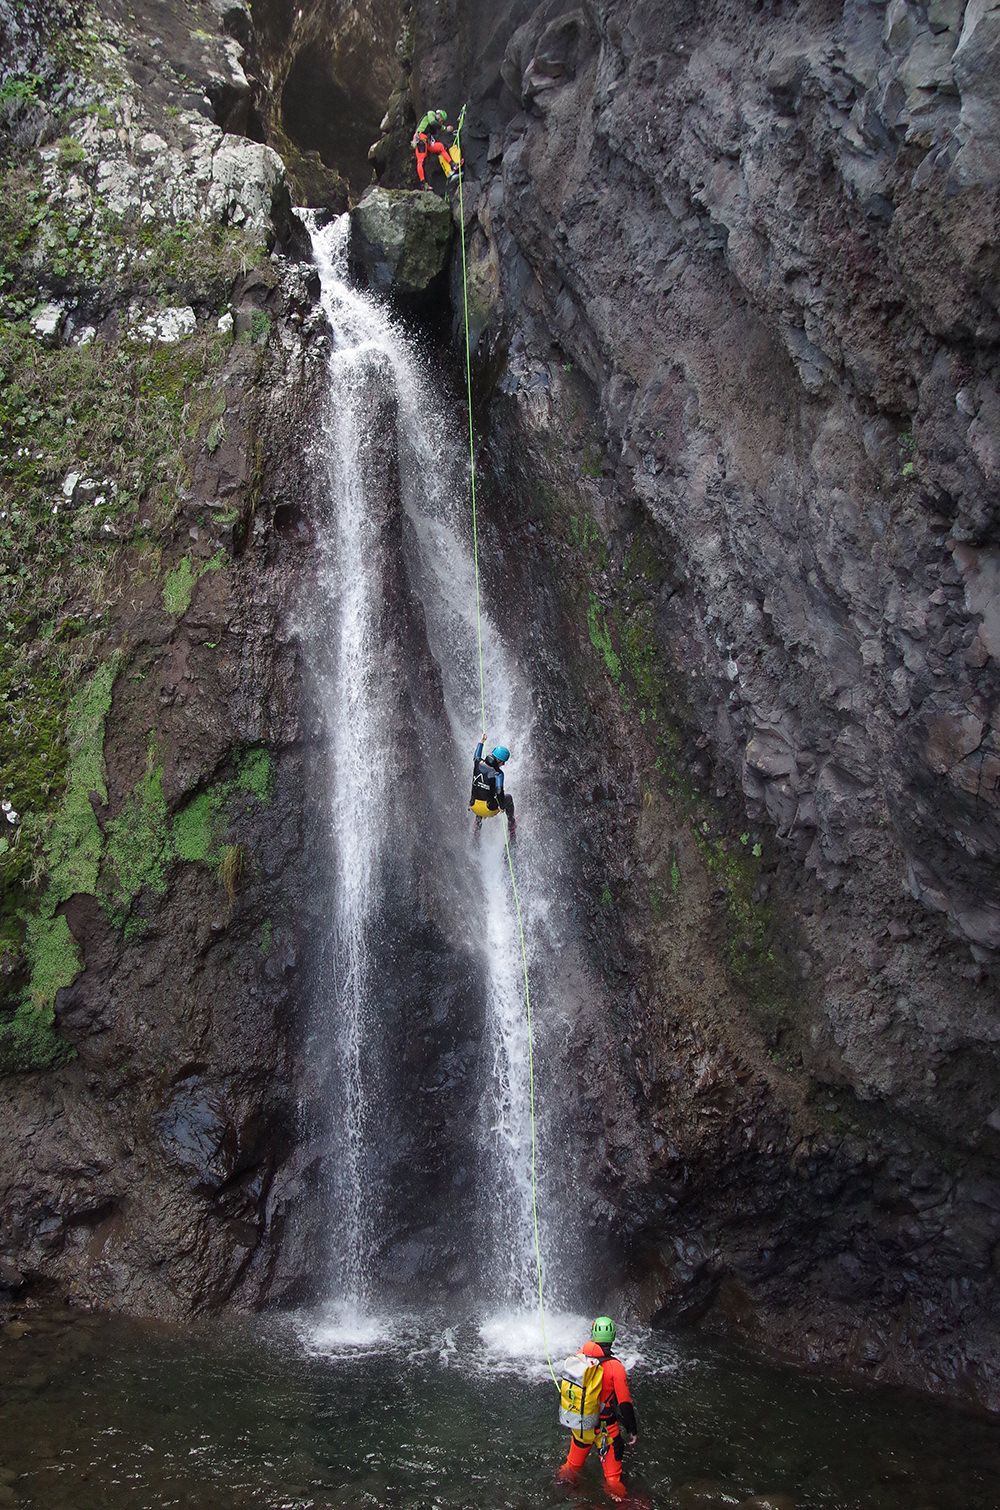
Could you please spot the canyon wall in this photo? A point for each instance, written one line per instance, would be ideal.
(735, 289)
(733, 292)
(158, 369)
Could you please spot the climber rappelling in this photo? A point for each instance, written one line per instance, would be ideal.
(488, 795)
(596, 1404)
(427, 139)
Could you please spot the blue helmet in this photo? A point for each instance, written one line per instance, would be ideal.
(501, 753)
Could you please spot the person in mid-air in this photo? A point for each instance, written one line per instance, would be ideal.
(598, 1409)
(427, 138)
(488, 794)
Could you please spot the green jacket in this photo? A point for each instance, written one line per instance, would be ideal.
(431, 123)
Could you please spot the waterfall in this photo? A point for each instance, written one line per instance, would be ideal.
(394, 470)
(356, 702)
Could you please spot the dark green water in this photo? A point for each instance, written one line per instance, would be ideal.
(98, 1415)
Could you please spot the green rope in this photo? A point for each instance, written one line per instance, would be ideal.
(506, 840)
(472, 449)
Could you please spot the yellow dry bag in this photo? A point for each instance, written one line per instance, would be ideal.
(483, 801)
(580, 1383)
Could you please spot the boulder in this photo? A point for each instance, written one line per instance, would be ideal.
(400, 241)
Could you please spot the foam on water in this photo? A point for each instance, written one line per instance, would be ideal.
(502, 1342)
(345, 1332)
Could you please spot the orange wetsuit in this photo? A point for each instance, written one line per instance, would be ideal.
(616, 1403)
(422, 144)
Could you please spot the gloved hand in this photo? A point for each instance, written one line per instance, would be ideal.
(633, 1439)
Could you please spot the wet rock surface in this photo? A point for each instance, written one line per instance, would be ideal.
(734, 282)
(400, 242)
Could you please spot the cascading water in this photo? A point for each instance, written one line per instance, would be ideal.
(356, 704)
(397, 495)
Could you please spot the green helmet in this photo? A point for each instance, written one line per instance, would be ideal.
(604, 1331)
(442, 115)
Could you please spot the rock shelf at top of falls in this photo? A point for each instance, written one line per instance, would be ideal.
(401, 241)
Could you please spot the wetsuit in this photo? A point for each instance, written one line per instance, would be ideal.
(489, 771)
(425, 139)
(616, 1406)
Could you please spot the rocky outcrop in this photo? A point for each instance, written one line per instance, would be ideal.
(400, 242)
(155, 860)
(326, 72)
(735, 272)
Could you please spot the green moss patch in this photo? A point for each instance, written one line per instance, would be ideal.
(144, 840)
(139, 848)
(600, 638)
(624, 636)
(199, 828)
(255, 774)
(179, 585)
(71, 846)
(74, 847)
(28, 1040)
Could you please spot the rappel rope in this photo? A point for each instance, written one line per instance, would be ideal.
(482, 710)
(472, 448)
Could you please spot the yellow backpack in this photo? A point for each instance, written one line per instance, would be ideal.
(580, 1395)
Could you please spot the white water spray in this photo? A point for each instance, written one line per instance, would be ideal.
(356, 695)
(376, 380)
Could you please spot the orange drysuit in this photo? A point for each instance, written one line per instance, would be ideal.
(616, 1401)
(424, 144)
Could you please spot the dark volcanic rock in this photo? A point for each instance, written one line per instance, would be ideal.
(734, 275)
(400, 241)
(152, 1170)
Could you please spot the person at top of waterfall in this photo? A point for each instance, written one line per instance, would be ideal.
(426, 139)
(488, 794)
(617, 1414)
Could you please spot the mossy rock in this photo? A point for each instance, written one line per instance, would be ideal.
(400, 241)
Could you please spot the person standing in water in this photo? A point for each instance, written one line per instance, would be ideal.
(614, 1410)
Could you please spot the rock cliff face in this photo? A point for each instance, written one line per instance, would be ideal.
(156, 357)
(736, 282)
(325, 74)
(733, 284)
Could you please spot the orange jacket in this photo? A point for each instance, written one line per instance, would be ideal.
(616, 1397)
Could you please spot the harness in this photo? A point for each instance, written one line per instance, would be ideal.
(484, 788)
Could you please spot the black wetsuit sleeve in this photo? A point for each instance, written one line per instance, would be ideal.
(628, 1418)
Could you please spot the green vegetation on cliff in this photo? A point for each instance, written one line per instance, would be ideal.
(179, 584)
(117, 257)
(621, 628)
(132, 856)
(70, 841)
(199, 827)
(138, 845)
